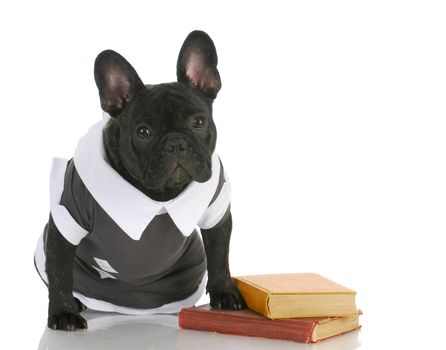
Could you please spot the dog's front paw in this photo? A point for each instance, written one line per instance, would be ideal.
(66, 321)
(226, 297)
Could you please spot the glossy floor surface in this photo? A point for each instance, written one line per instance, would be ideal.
(114, 331)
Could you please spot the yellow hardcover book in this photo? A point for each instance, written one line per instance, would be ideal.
(296, 295)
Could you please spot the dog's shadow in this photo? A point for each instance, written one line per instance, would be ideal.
(122, 332)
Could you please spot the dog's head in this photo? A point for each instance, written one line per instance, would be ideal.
(161, 137)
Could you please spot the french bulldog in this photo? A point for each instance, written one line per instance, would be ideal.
(121, 234)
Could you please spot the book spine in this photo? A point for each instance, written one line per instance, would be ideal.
(256, 299)
(272, 329)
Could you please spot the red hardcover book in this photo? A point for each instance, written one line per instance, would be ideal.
(249, 323)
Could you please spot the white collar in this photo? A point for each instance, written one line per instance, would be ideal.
(129, 208)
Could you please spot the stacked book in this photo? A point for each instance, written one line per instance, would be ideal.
(302, 307)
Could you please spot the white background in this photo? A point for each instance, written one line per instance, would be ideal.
(332, 128)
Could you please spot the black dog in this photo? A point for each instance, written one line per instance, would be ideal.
(121, 234)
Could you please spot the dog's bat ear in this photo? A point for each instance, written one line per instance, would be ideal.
(117, 81)
(197, 64)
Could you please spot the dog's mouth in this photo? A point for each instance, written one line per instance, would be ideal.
(178, 177)
(167, 177)
(173, 171)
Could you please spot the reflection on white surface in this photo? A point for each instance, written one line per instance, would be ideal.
(115, 331)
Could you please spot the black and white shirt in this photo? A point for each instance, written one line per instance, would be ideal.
(134, 255)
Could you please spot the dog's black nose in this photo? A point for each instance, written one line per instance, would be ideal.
(175, 145)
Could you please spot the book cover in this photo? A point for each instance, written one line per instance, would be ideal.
(249, 323)
(296, 295)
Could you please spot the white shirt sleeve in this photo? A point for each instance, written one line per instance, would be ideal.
(217, 210)
(64, 222)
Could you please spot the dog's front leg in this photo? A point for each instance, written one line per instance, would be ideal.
(63, 311)
(222, 292)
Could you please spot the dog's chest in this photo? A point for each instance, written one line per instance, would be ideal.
(115, 255)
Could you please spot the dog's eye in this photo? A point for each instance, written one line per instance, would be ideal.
(198, 123)
(143, 132)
